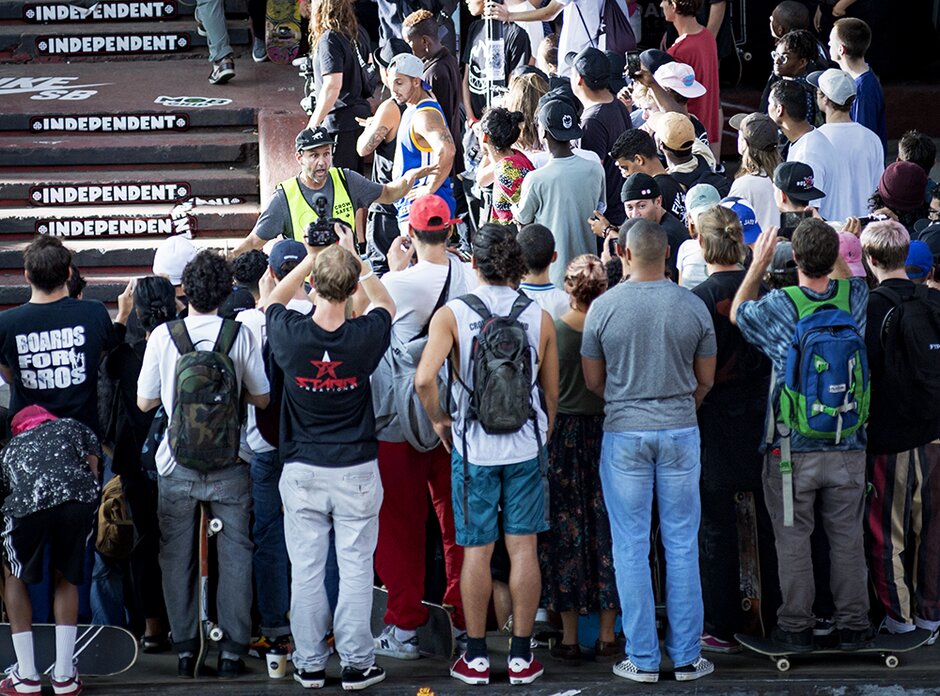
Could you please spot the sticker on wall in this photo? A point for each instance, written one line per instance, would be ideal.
(191, 102)
(108, 123)
(95, 194)
(111, 44)
(104, 11)
(91, 228)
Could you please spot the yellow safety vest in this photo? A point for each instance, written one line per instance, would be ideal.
(301, 214)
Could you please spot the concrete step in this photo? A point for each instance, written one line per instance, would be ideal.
(129, 221)
(136, 41)
(46, 188)
(67, 98)
(62, 12)
(231, 146)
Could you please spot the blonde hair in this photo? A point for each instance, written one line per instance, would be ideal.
(721, 236)
(887, 242)
(336, 274)
(585, 279)
(332, 15)
(758, 162)
(523, 96)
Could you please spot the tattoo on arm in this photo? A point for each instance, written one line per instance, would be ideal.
(378, 137)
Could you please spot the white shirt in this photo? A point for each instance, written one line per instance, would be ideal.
(580, 28)
(158, 373)
(759, 192)
(416, 289)
(830, 173)
(539, 158)
(254, 321)
(533, 29)
(554, 301)
(861, 150)
(691, 264)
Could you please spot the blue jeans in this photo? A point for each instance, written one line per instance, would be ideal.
(636, 465)
(271, 566)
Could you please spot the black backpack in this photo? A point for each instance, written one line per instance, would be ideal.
(910, 338)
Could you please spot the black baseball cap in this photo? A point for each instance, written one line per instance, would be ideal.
(618, 63)
(796, 179)
(592, 65)
(639, 186)
(391, 48)
(653, 58)
(309, 138)
(560, 120)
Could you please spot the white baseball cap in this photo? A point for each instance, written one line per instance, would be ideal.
(836, 84)
(680, 78)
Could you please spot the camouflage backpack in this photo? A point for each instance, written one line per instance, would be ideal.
(205, 424)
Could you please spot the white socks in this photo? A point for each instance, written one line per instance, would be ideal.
(403, 634)
(64, 649)
(25, 659)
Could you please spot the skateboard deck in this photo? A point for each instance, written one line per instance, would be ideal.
(208, 631)
(749, 561)
(102, 651)
(886, 646)
(282, 30)
(435, 638)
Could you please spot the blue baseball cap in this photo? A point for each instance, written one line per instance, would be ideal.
(919, 259)
(284, 251)
(747, 216)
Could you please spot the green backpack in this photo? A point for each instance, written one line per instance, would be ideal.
(205, 425)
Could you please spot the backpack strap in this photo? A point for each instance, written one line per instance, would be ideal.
(441, 299)
(227, 335)
(806, 306)
(180, 336)
(476, 304)
(519, 306)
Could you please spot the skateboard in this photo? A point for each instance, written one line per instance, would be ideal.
(208, 630)
(435, 638)
(885, 646)
(282, 30)
(749, 561)
(101, 651)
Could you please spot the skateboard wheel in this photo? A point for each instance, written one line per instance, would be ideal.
(746, 604)
(215, 525)
(783, 664)
(891, 661)
(215, 634)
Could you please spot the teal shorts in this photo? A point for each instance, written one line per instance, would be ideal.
(519, 491)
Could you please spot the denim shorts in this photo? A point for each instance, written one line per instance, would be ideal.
(518, 490)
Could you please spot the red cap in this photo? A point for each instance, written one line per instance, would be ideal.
(430, 213)
(902, 186)
(28, 418)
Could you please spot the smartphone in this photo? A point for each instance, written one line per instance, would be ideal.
(863, 221)
(633, 63)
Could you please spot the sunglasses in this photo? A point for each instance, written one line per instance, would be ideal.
(780, 58)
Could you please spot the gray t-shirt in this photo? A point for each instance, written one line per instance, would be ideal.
(275, 220)
(648, 333)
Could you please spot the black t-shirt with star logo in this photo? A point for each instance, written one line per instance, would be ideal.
(326, 413)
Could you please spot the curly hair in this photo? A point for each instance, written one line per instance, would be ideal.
(332, 15)
(154, 301)
(523, 96)
(502, 126)
(207, 280)
(905, 217)
(498, 255)
(585, 280)
(799, 42)
(249, 267)
(420, 23)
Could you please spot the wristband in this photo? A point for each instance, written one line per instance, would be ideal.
(367, 275)
(611, 227)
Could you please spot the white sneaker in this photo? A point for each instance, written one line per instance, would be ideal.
(388, 644)
(698, 669)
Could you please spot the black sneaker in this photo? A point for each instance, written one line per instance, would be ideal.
(793, 641)
(310, 680)
(223, 71)
(355, 679)
(186, 667)
(229, 669)
(850, 639)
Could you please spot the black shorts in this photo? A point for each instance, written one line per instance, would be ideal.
(66, 528)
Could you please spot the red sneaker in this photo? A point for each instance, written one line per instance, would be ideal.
(476, 671)
(523, 671)
(67, 687)
(14, 684)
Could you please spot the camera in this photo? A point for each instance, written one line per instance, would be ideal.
(321, 232)
(790, 220)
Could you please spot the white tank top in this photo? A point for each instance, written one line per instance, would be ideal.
(484, 449)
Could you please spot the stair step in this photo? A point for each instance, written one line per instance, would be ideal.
(132, 40)
(224, 145)
(52, 11)
(16, 188)
(129, 221)
(46, 94)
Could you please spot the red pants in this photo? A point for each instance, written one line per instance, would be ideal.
(407, 476)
